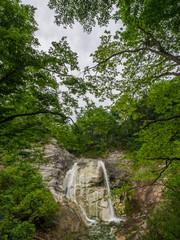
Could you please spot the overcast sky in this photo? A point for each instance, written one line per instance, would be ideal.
(80, 42)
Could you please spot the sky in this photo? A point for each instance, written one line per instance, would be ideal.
(80, 42)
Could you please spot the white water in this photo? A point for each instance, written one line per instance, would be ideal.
(70, 191)
(111, 209)
(70, 183)
(87, 219)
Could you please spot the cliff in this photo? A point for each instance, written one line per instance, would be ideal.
(82, 187)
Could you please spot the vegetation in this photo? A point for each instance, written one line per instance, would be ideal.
(29, 104)
(30, 97)
(163, 222)
(93, 134)
(25, 203)
(137, 68)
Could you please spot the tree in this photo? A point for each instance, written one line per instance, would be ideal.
(29, 80)
(95, 132)
(25, 203)
(139, 65)
(130, 64)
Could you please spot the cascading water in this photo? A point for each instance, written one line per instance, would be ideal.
(81, 185)
(112, 214)
(70, 183)
(70, 189)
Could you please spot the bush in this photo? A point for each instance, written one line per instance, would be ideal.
(164, 221)
(25, 203)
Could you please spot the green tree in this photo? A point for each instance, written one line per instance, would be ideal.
(95, 132)
(130, 64)
(139, 64)
(164, 221)
(25, 203)
(30, 97)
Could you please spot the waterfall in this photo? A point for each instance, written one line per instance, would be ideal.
(70, 189)
(76, 186)
(70, 183)
(112, 214)
(87, 219)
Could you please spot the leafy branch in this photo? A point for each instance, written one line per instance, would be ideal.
(168, 163)
(7, 75)
(36, 113)
(167, 74)
(119, 53)
(159, 120)
(161, 50)
(152, 122)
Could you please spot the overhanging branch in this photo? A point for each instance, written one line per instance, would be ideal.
(159, 120)
(165, 159)
(36, 113)
(152, 122)
(160, 51)
(168, 163)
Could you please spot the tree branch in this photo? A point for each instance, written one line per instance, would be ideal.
(62, 74)
(165, 159)
(163, 170)
(118, 53)
(7, 75)
(167, 74)
(159, 120)
(29, 114)
(36, 113)
(151, 122)
(174, 135)
(38, 238)
(161, 50)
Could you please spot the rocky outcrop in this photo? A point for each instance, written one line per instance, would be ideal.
(80, 186)
(86, 184)
(58, 163)
(117, 174)
(90, 183)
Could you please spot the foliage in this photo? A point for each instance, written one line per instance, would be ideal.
(30, 96)
(95, 131)
(25, 203)
(164, 221)
(138, 68)
(145, 46)
(141, 57)
(83, 11)
(159, 141)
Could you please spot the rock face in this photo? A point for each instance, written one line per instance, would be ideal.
(87, 185)
(81, 184)
(53, 172)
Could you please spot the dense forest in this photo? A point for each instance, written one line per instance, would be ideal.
(137, 68)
